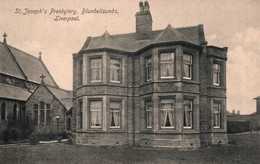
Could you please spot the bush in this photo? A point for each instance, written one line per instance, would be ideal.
(33, 139)
(5, 135)
(14, 134)
(59, 139)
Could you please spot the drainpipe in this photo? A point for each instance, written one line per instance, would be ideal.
(133, 101)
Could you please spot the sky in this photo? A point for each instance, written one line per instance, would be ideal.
(227, 23)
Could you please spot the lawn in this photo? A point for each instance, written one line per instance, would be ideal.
(245, 149)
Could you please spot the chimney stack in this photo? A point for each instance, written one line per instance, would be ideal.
(143, 21)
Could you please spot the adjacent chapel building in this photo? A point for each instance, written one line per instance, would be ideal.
(154, 88)
(28, 93)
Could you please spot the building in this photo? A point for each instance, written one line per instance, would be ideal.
(244, 122)
(163, 88)
(22, 90)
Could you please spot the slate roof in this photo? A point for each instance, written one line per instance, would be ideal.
(64, 96)
(17, 63)
(12, 92)
(129, 43)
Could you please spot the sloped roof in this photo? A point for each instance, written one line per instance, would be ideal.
(12, 92)
(7, 63)
(129, 43)
(19, 63)
(64, 96)
(258, 97)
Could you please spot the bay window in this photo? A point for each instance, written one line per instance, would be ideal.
(217, 114)
(187, 66)
(95, 114)
(188, 113)
(148, 68)
(216, 74)
(115, 70)
(115, 114)
(167, 113)
(148, 111)
(96, 70)
(167, 65)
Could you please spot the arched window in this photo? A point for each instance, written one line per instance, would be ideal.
(35, 113)
(3, 114)
(48, 114)
(15, 112)
(42, 112)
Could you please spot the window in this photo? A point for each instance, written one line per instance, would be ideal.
(216, 114)
(148, 111)
(187, 65)
(35, 113)
(188, 114)
(148, 68)
(48, 114)
(216, 74)
(167, 113)
(15, 112)
(95, 114)
(42, 112)
(3, 114)
(96, 70)
(80, 113)
(115, 70)
(80, 72)
(167, 65)
(115, 114)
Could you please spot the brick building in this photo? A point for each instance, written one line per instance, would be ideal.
(163, 88)
(21, 91)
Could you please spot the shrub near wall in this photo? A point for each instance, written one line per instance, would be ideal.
(238, 126)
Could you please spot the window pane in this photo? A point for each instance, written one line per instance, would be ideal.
(35, 114)
(166, 70)
(35, 106)
(41, 116)
(115, 69)
(167, 113)
(42, 105)
(217, 114)
(48, 117)
(80, 114)
(95, 113)
(187, 70)
(148, 109)
(168, 57)
(3, 111)
(148, 65)
(216, 67)
(96, 68)
(115, 114)
(187, 58)
(188, 113)
(80, 72)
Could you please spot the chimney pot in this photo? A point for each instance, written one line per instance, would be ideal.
(141, 5)
(146, 6)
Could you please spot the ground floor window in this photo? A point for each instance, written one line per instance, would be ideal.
(188, 113)
(217, 114)
(115, 114)
(167, 113)
(148, 111)
(95, 114)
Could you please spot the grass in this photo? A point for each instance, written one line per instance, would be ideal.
(245, 149)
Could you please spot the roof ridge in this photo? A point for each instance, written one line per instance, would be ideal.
(58, 88)
(186, 27)
(22, 51)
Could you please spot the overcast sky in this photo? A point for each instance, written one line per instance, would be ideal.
(227, 23)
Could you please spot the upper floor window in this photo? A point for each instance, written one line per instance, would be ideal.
(95, 114)
(188, 113)
(216, 74)
(115, 70)
(80, 72)
(187, 65)
(115, 114)
(96, 70)
(167, 65)
(148, 111)
(148, 68)
(217, 114)
(167, 113)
